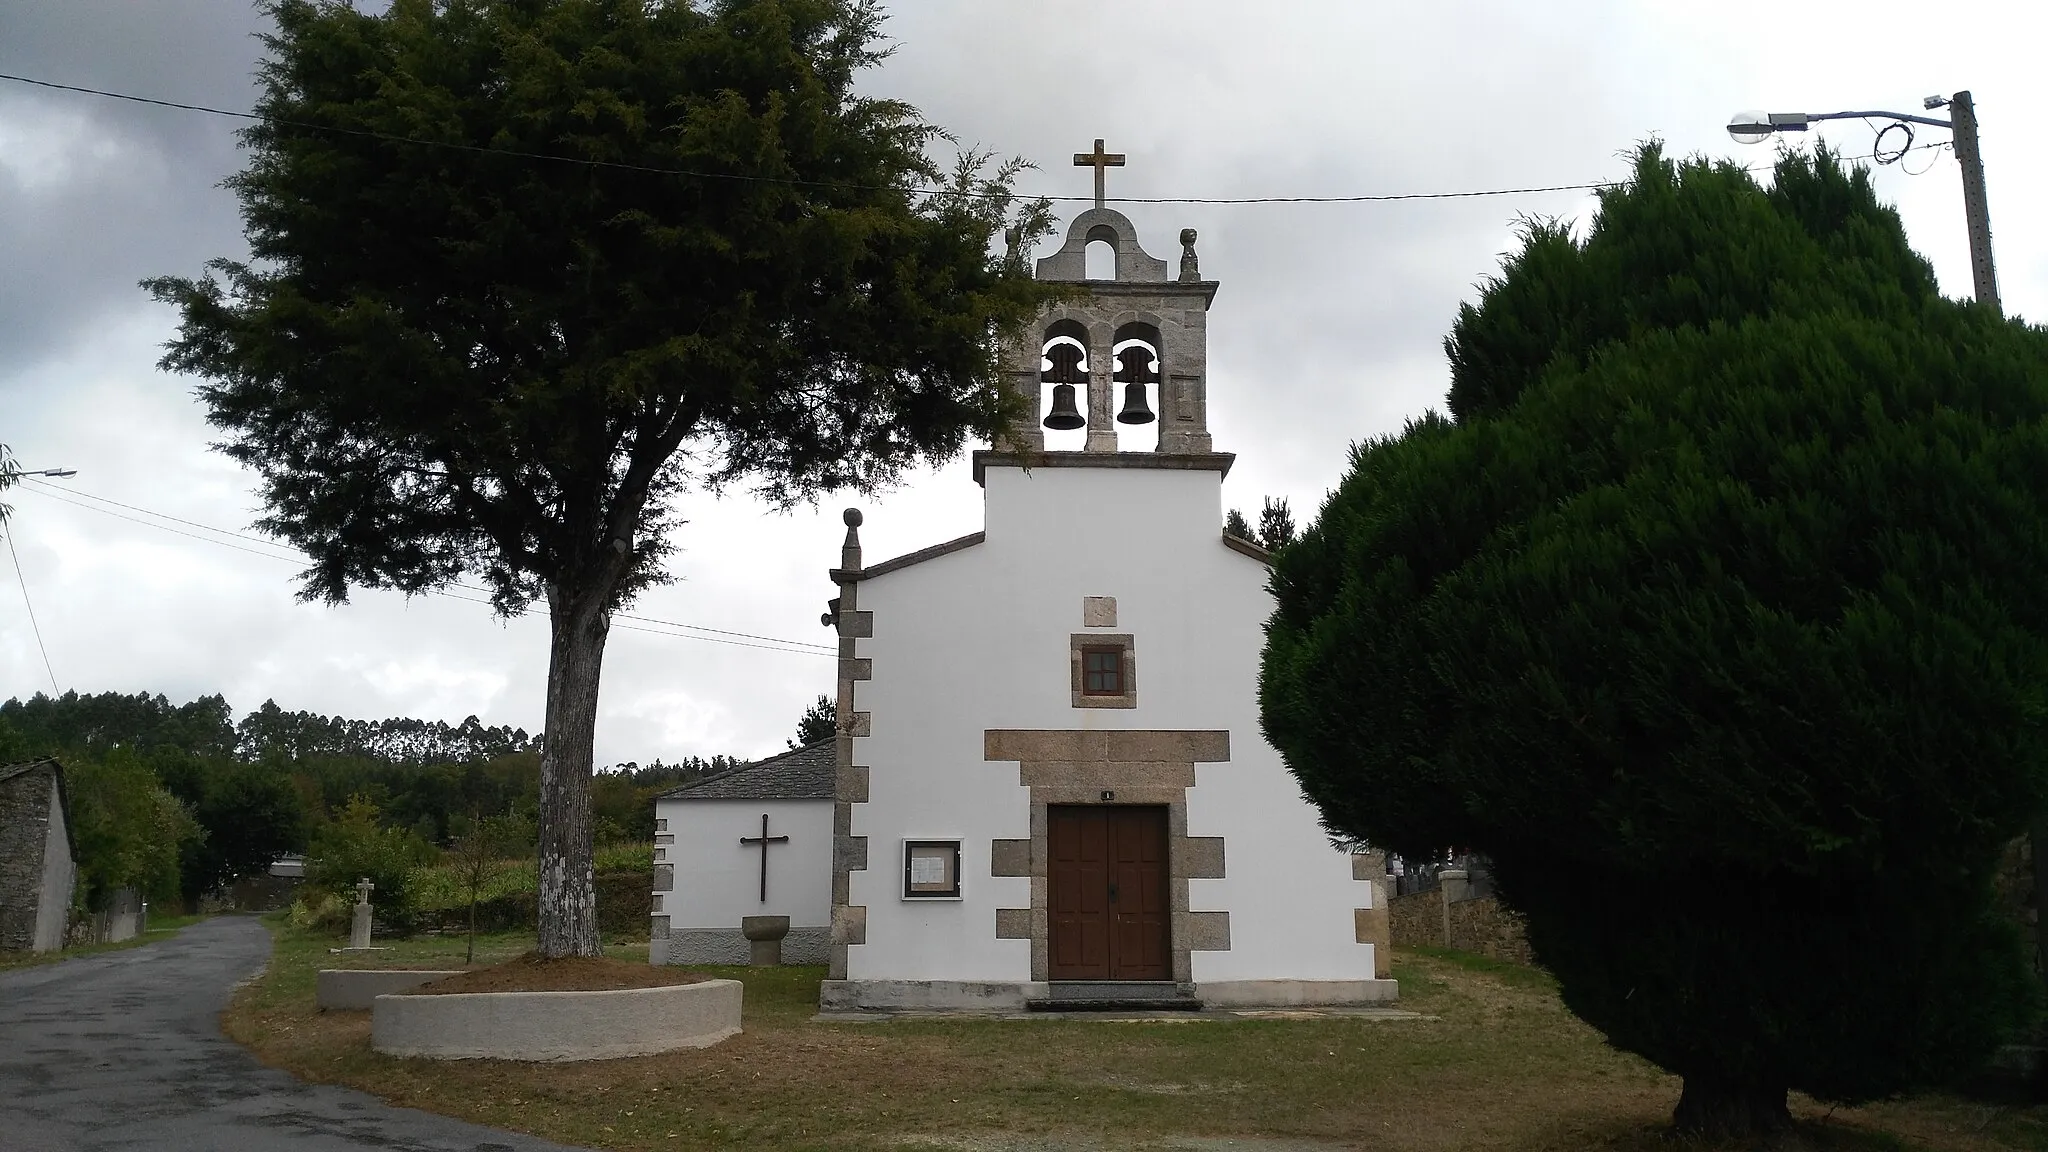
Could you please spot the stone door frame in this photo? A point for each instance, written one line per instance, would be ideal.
(1098, 768)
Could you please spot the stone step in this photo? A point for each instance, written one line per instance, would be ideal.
(1117, 996)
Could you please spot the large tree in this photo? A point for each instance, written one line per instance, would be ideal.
(522, 269)
(1717, 615)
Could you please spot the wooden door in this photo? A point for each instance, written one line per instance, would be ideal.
(1109, 916)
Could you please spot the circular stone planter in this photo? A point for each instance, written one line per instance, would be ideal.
(556, 1025)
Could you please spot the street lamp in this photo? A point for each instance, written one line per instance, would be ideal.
(60, 473)
(1753, 127)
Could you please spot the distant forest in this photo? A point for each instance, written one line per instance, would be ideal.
(177, 799)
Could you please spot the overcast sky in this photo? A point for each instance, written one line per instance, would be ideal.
(1327, 328)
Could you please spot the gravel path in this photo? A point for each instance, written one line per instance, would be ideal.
(123, 1050)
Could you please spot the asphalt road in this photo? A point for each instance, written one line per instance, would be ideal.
(124, 1050)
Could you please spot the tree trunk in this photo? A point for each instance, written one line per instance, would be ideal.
(1718, 1109)
(470, 957)
(568, 895)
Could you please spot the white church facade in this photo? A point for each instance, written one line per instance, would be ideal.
(1050, 787)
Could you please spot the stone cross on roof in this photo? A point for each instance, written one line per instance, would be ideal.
(1102, 162)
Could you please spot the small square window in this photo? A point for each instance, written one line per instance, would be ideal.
(931, 869)
(1102, 671)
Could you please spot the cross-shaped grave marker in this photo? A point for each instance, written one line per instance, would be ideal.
(363, 890)
(764, 840)
(1102, 162)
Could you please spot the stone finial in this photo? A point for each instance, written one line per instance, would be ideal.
(1013, 244)
(849, 552)
(1190, 266)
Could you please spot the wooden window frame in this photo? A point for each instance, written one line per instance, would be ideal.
(1114, 673)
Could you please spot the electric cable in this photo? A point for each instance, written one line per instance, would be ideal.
(35, 627)
(790, 181)
(636, 623)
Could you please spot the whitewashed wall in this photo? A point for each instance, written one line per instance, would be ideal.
(979, 639)
(718, 879)
(59, 875)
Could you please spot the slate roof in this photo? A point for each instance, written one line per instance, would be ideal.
(10, 771)
(808, 773)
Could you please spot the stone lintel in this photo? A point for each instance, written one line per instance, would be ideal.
(1130, 745)
(1114, 775)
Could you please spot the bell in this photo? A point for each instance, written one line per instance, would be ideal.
(1063, 375)
(1064, 415)
(1135, 373)
(1135, 411)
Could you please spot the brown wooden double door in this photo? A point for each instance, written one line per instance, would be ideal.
(1109, 912)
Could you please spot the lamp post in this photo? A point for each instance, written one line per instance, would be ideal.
(1751, 127)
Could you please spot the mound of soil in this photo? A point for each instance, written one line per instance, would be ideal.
(535, 973)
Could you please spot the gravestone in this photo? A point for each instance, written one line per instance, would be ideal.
(359, 928)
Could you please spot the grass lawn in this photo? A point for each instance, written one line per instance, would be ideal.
(160, 928)
(1500, 1065)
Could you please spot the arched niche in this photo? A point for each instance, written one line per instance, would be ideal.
(1139, 334)
(1071, 332)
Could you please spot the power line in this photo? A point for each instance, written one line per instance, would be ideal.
(650, 624)
(37, 628)
(789, 181)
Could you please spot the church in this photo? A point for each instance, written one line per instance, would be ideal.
(1050, 786)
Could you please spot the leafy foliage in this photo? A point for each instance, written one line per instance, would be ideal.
(519, 268)
(818, 722)
(1723, 588)
(272, 733)
(127, 830)
(1276, 525)
(356, 845)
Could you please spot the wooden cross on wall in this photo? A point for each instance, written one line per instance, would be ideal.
(1102, 162)
(764, 840)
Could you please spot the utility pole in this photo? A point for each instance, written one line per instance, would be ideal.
(1963, 115)
(1751, 127)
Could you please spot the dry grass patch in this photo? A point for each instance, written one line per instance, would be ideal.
(1501, 1066)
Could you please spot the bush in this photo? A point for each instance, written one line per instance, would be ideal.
(354, 847)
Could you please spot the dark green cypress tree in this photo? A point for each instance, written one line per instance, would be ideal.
(1717, 615)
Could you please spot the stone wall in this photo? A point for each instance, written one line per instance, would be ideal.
(1483, 926)
(24, 818)
(1432, 920)
(1417, 919)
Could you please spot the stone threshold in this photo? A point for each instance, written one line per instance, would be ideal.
(1204, 1015)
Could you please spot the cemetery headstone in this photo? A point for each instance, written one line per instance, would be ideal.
(359, 928)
